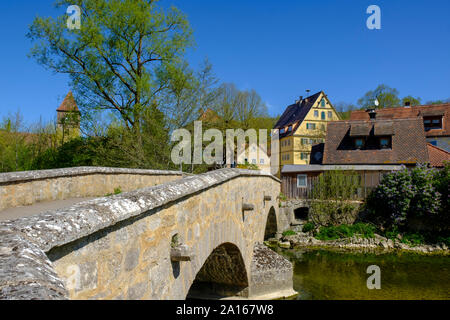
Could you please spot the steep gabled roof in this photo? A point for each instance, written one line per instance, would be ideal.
(296, 113)
(69, 104)
(412, 112)
(408, 143)
(437, 155)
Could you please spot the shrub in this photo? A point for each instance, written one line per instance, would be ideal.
(403, 195)
(346, 231)
(308, 227)
(289, 233)
(332, 194)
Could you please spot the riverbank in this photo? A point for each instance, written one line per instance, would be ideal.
(377, 243)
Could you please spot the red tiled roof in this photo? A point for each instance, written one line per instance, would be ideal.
(437, 155)
(412, 112)
(68, 104)
(409, 144)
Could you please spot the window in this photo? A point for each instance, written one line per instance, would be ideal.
(359, 143)
(330, 114)
(385, 142)
(304, 141)
(290, 129)
(253, 161)
(316, 113)
(302, 181)
(304, 156)
(311, 126)
(261, 161)
(322, 127)
(432, 122)
(282, 131)
(322, 103)
(323, 115)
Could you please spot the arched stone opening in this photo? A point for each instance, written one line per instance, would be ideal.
(301, 214)
(222, 275)
(271, 225)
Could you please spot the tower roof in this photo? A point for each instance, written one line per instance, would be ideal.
(69, 104)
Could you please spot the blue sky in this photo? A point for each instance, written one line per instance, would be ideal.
(280, 48)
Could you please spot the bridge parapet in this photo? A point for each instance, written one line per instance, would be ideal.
(119, 247)
(29, 187)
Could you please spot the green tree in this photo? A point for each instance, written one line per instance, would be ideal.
(122, 59)
(412, 101)
(386, 96)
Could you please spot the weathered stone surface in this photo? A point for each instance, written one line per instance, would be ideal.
(270, 273)
(107, 247)
(27, 188)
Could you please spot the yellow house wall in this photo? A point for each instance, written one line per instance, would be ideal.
(295, 147)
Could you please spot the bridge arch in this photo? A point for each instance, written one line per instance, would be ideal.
(223, 274)
(271, 228)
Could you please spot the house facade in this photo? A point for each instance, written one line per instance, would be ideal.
(254, 154)
(303, 125)
(369, 148)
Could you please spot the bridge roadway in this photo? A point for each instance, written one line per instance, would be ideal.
(37, 208)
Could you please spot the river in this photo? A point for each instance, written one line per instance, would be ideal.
(333, 275)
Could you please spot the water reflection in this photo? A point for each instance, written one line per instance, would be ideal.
(323, 275)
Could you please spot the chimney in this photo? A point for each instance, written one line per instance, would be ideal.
(372, 113)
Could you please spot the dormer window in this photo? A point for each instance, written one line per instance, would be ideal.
(359, 143)
(385, 142)
(290, 129)
(431, 123)
(282, 131)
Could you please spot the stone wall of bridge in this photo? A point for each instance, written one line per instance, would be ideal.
(120, 247)
(26, 188)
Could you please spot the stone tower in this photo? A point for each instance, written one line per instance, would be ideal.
(68, 118)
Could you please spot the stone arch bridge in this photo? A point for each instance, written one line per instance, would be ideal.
(183, 237)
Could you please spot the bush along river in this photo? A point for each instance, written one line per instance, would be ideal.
(340, 274)
(338, 269)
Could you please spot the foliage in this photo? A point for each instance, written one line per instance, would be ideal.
(308, 227)
(386, 96)
(441, 182)
(331, 197)
(125, 55)
(117, 191)
(248, 166)
(282, 196)
(289, 233)
(346, 231)
(412, 101)
(404, 195)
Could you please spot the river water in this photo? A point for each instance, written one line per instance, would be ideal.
(324, 275)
